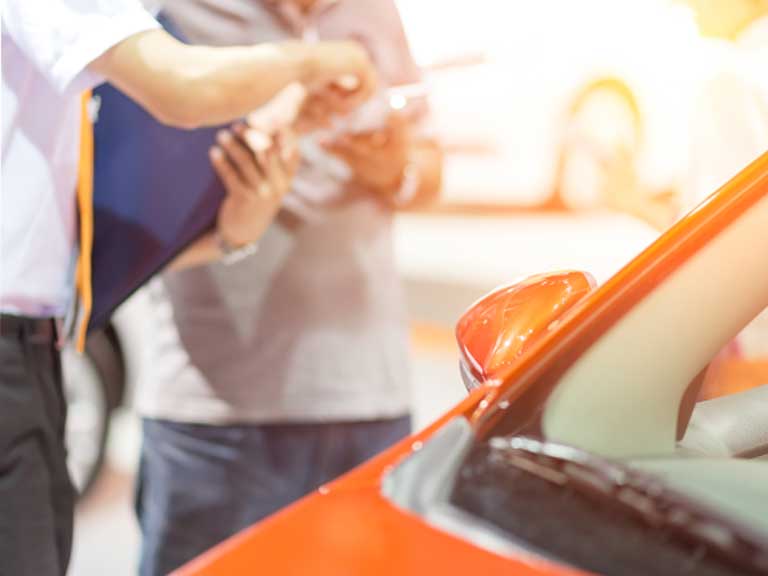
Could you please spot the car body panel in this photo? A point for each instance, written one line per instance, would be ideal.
(583, 325)
(350, 527)
(502, 326)
(366, 534)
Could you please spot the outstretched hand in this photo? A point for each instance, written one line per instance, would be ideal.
(377, 158)
(340, 77)
(256, 172)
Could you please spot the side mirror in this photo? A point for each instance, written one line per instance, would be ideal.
(500, 327)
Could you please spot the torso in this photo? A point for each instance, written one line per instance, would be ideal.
(313, 326)
(39, 171)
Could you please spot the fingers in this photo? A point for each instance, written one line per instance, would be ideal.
(340, 101)
(288, 147)
(314, 114)
(226, 171)
(341, 149)
(279, 155)
(255, 179)
(252, 163)
(281, 163)
(355, 150)
(322, 105)
(241, 158)
(346, 65)
(398, 128)
(362, 69)
(388, 140)
(343, 77)
(258, 143)
(282, 110)
(277, 177)
(356, 145)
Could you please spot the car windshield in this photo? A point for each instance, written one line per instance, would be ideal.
(598, 515)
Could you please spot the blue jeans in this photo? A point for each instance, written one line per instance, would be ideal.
(200, 484)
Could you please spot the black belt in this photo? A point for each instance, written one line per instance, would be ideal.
(20, 327)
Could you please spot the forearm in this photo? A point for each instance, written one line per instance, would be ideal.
(189, 86)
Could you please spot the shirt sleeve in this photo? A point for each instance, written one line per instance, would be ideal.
(62, 37)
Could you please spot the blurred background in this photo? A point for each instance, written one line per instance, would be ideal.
(568, 128)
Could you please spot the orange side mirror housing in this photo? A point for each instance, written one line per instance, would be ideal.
(500, 327)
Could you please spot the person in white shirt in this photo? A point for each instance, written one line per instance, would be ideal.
(51, 51)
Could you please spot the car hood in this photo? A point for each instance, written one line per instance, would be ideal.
(355, 532)
(351, 527)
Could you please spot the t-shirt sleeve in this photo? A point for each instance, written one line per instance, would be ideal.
(62, 37)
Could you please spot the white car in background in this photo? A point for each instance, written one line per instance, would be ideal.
(538, 107)
(507, 119)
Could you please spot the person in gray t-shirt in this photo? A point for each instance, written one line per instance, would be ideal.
(277, 373)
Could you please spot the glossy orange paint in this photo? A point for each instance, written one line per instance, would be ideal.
(495, 331)
(348, 527)
(597, 312)
(355, 533)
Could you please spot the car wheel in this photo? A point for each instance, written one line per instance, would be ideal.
(91, 388)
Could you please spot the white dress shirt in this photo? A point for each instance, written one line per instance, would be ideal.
(46, 48)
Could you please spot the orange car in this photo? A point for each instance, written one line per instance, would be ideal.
(580, 448)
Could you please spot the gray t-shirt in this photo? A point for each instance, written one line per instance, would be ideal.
(313, 326)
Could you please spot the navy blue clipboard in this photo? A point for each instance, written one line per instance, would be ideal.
(155, 192)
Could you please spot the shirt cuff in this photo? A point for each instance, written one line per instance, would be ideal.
(71, 74)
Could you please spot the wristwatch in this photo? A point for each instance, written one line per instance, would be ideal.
(233, 254)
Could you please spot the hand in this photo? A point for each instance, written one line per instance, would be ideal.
(377, 159)
(256, 172)
(340, 76)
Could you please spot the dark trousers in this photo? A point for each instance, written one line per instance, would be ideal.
(36, 495)
(200, 484)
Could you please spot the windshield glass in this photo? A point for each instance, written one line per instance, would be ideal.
(600, 516)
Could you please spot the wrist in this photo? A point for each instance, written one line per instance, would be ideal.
(231, 252)
(326, 62)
